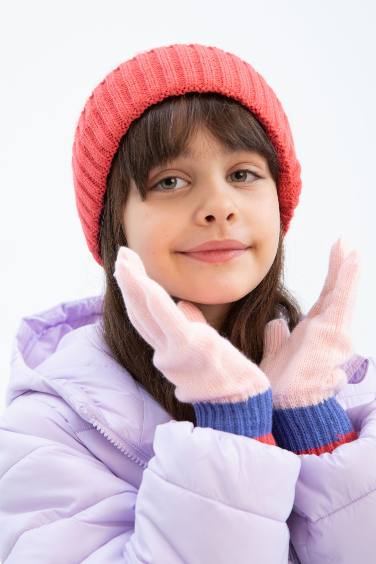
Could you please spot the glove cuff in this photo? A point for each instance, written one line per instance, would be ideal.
(251, 418)
(313, 429)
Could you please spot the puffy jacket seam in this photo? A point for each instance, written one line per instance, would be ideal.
(20, 460)
(88, 427)
(106, 542)
(353, 501)
(74, 431)
(215, 500)
(89, 455)
(59, 519)
(171, 544)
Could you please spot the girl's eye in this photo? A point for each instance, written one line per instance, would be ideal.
(167, 178)
(172, 187)
(246, 170)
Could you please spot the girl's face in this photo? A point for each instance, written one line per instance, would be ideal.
(209, 193)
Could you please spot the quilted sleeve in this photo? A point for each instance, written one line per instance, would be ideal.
(334, 513)
(206, 496)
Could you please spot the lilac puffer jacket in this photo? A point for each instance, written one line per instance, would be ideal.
(93, 470)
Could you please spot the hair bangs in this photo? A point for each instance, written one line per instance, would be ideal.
(163, 132)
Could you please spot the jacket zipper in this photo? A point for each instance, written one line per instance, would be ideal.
(121, 445)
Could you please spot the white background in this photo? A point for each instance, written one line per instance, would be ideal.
(319, 57)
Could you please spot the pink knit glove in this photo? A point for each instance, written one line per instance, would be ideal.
(190, 353)
(304, 367)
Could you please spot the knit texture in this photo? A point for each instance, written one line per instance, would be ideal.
(314, 429)
(148, 78)
(323, 427)
(251, 418)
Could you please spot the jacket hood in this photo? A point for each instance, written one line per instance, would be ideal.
(60, 351)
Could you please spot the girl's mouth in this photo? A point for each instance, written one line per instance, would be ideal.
(216, 256)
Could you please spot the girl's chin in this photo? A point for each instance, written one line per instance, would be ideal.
(217, 299)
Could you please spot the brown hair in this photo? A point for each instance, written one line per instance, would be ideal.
(158, 135)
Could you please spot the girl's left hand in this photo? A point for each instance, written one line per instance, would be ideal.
(190, 353)
(304, 367)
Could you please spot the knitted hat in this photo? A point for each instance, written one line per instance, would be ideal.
(149, 77)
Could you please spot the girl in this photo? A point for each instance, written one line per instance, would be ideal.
(192, 414)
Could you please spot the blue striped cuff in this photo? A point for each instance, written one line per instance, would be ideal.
(251, 418)
(313, 429)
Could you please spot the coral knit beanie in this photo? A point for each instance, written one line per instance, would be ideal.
(148, 78)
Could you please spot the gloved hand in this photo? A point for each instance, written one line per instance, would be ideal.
(228, 391)
(304, 367)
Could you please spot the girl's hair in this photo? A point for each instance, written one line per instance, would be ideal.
(158, 135)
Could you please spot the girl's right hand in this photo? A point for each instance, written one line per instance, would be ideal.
(304, 367)
(203, 365)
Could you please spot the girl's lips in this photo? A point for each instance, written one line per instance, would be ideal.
(216, 256)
